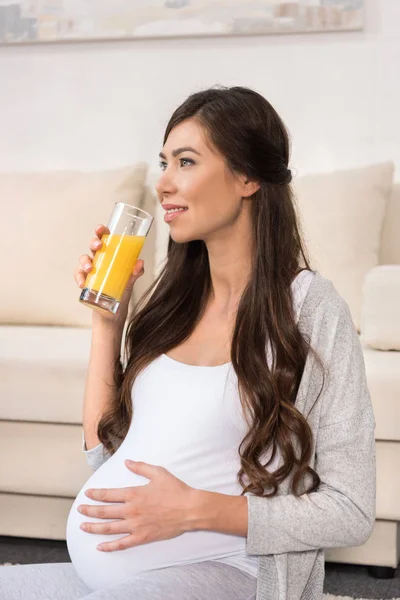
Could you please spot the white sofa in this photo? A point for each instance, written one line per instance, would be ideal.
(44, 349)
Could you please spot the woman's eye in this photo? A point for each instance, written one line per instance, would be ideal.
(188, 160)
(163, 164)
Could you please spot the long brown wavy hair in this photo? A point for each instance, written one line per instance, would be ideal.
(244, 127)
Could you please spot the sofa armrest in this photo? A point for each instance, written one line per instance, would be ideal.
(380, 311)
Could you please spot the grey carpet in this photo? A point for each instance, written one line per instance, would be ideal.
(340, 579)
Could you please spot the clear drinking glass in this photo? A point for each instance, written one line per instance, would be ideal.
(113, 264)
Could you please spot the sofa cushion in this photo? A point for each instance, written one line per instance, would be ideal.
(342, 215)
(390, 246)
(51, 515)
(42, 458)
(383, 369)
(387, 480)
(380, 314)
(48, 220)
(43, 372)
(382, 549)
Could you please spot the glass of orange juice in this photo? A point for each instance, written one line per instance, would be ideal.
(113, 264)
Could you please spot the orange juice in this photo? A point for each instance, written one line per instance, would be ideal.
(113, 264)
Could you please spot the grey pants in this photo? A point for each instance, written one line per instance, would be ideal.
(196, 581)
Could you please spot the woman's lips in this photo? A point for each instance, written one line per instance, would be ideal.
(168, 217)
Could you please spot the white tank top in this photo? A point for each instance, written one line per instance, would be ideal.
(189, 420)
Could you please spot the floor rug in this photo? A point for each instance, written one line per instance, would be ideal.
(330, 597)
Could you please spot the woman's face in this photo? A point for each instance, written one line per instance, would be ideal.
(199, 180)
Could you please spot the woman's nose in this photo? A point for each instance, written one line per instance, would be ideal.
(165, 183)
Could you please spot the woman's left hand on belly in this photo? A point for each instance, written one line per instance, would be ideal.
(161, 510)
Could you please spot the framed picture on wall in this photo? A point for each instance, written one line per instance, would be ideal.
(33, 21)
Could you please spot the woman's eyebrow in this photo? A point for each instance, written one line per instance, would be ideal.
(179, 151)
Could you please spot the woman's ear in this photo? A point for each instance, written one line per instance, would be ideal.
(250, 188)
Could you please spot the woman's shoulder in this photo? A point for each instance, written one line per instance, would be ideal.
(302, 280)
(300, 286)
(324, 306)
(321, 291)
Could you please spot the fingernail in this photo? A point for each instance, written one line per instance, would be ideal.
(88, 266)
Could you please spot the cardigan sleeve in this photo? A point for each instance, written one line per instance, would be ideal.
(95, 457)
(342, 511)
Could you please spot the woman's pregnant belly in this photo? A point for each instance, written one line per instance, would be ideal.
(104, 569)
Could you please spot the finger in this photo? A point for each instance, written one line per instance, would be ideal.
(105, 511)
(109, 528)
(109, 494)
(122, 544)
(95, 244)
(80, 277)
(85, 262)
(101, 229)
(144, 469)
(139, 267)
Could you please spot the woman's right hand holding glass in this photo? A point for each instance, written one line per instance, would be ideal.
(85, 267)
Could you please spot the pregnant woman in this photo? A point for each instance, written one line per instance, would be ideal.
(241, 398)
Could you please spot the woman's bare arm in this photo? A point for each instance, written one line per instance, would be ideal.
(100, 387)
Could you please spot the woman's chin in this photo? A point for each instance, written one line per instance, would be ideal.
(180, 237)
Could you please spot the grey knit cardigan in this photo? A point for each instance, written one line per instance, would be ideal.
(287, 533)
